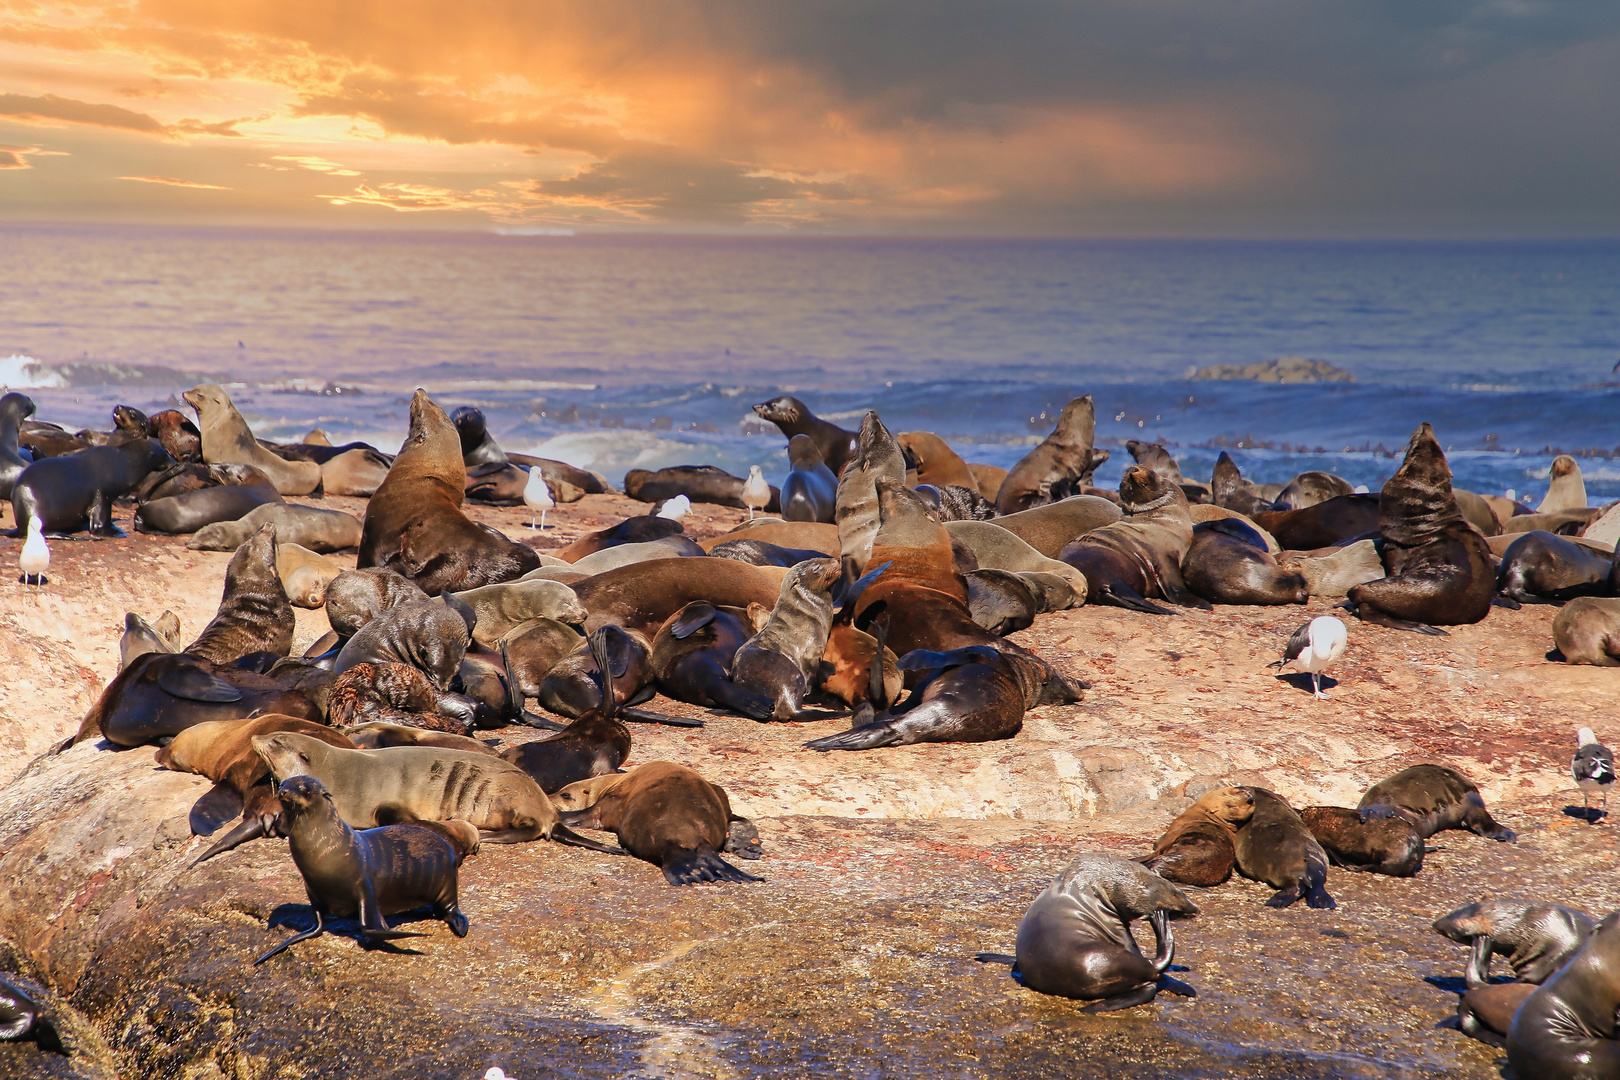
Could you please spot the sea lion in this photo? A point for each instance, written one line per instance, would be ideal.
(394, 693)
(1066, 456)
(612, 558)
(957, 503)
(641, 596)
(641, 529)
(1075, 940)
(692, 655)
(1565, 488)
(358, 472)
(1229, 489)
(1202, 513)
(355, 597)
(227, 438)
(478, 446)
(318, 530)
(573, 686)
(162, 694)
(365, 874)
(1327, 524)
(810, 492)
(1139, 557)
(1228, 563)
(815, 537)
(414, 524)
(1051, 528)
(1563, 522)
(760, 553)
(1001, 602)
(1335, 574)
(1565, 1030)
(424, 634)
(77, 491)
(378, 734)
(997, 548)
(596, 743)
(1310, 488)
(782, 662)
(793, 417)
(936, 463)
(1536, 937)
(667, 815)
(1486, 1012)
(185, 477)
(405, 783)
(1439, 569)
(1389, 846)
(564, 479)
(700, 483)
(1477, 512)
(1275, 847)
(530, 650)
(1433, 798)
(988, 479)
(1587, 631)
(1160, 460)
(14, 409)
(858, 516)
(304, 574)
(170, 427)
(1540, 566)
(254, 613)
(141, 637)
(184, 503)
(1199, 847)
(501, 608)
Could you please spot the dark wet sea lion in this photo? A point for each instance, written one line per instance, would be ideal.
(1536, 937)
(700, 483)
(1275, 847)
(1066, 456)
(48, 440)
(500, 484)
(692, 655)
(665, 814)
(367, 874)
(1075, 940)
(1389, 845)
(632, 530)
(77, 491)
(573, 686)
(1230, 490)
(1587, 631)
(1486, 1012)
(858, 515)
(193, 510)
(1310, 488)
(414, 524)
(14, 408)
(1138, 558)
(1439, 567)
(642, 595)
(310, 527)
(1228, 564)
(794, 417)
(162, 694)
(1327, 524)
(1199, 847)
(254, 613)
(1433, 798)
(226, 438)
(810, 492)
(222, 751)
(478, 446)
(1565, 1030)
(936, 463)
(760, 553)
(595, 744)
(1051, 528)
(563, 478)
(424, 634)
(1540, 566)
(355, 597)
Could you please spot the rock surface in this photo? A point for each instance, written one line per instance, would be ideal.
(1288, 369)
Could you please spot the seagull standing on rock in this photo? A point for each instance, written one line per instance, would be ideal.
(756, 493)
(1313, 647)
(537, 496)
(36, 556)
(1593, 769)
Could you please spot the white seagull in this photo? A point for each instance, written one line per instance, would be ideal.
(1593, 768)
(676, 508)
(756, 493)
(35, 557)
(1313, 647)
(537, 496)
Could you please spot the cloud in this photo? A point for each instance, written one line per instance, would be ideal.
(172, 182)
(14, 159)
(314, 164)
(48, 107)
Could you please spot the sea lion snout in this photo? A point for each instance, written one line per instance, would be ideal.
(299, 793)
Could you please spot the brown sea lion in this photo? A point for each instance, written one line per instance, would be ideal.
(1540, 567)
(1477, 512)
(632, 530)
(1000, 601)
(77, 492)
(595, 744)
(1228, 563)
(425, 634)
(563, 479)
(178, 434)
(1536, 937)
(45, 440)
(358, 472)
(254, 613)
(1587, 631)
(1327, 524)
(379, 734)
(641, 596)
(1275, 847)
(810, 492)
(529, 652)
(1380, 846)
(395, 693)
(573, 686)
(1139, 557)
(1310, 488)
(1229, 489)
(141, 637)
(1566, 490)
(997, 548)
(1051, 528)
(793, 417)
(304, 574)
(667, 815)
(1565, 1030)
(1334, 573)
(1433, 798)
(988, 479)
(692, 655)
(162, 694)
(367, 874)
(936, 463)
(1160, 460)
(816, 537)
(1486, 1012)
(700, 483)
(355, 597)
(1440, 571)
(782, 662)
(1066, 457)
(1075, 940)
(414, 524)
(877, 456)
(1199, 847)
(501, 608)
(226, 438)
(1562, 522)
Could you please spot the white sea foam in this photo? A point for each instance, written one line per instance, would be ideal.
(19, 372)
(614, 450)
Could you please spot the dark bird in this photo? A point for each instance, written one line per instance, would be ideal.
(1593, 768)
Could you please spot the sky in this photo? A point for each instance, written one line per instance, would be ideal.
(1002, 117)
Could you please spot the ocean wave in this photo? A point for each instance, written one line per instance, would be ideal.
(463, 386)
(19, 372)
(22, 372)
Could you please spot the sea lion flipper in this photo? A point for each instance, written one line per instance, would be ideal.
(702, 864)
(693, 618)
(186, 680)
(1478, 972)
(1369, 614)
(995, 958)
(647, 716)
(303, 935)
(1140, 996)
(562, 834)
(535, 720)
(1127, 597)
(742, 838)
(217, 806)
(869, 737)
(514, 692)
(250, 829)
(929, 660)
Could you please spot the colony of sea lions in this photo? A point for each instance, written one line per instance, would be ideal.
(885, 594)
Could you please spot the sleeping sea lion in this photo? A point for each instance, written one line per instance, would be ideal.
(304, 574)
(1228, 563)
(1051, 528)
(700, 483)
(1327, 524)
(1066, 457)
(760, 553)
(1540, 567)
(1275, 847)
(692, 655)
(632, 530)
(1433, 798)
(1199, 847)
(1587, 631)
(1310, 488)
(641, 596)
(501, 608)
(573, 686)
(355, 597)
(596, 743)
(162, 694)
(1388, 845)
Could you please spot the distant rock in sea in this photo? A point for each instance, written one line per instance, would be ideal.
(1289, 369)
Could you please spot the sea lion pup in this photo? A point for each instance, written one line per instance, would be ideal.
(227, 438)
(501, 608)
(1565, 488)
(254, 614)
(304, 574)
(810, 492)
(1228, 489)
(428, 635)
(667, 815)
(936, 463)
(77, 492)
(141, 637)
(1228, 563)
(1139, 557)
(1065, 457)
(414, 524)
(14, 408)
(1439, 567)
(355, 597)
(1587, 631)
(1199, 847)
(425, 783)
(639, 529)
(367, 874)
(1540, 567)
(1275, 847)
(1565, 1030)
(1389, 845)
(178, 435)
(162, 694)
(760, 553)
(794, 417)
(318, 530)
(1340, 520)
(782, 662)
(1157, 458)
(596, 742)
(397, 693)
(1433, 798)
(692, 654)
(1310, 488)
(1051, 528)
(1075, 940)
(1536, 937)
(858, 515)
(957, 503)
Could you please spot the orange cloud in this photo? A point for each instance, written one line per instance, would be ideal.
(50, 107)
(172, 182)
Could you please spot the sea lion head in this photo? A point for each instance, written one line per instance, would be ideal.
(16, 407)
(127, 418)
(1226, 480)
(1142, 490)
(876, 451)
(803, 453)
(234, 474)
(253, 567)
(206, 400)
(1417, 502)
(1233, 805)
(432, 447)
(299, 795)
(288, 754)
(812, 577)
(1562, 466)
(782, 410)
(583, 794)
(470, 425)
(1077, 426)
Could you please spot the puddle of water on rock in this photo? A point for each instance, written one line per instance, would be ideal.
(674, 1052)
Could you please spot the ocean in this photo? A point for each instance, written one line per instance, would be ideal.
(617, 352)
